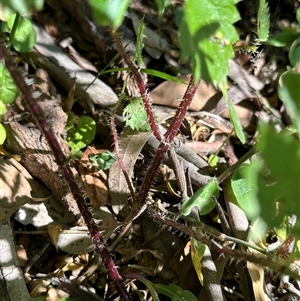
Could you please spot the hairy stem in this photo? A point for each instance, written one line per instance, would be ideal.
(141, 85)
(167, 140)
(61, 160)
(120, 161)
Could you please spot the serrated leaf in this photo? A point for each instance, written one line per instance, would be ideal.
(263, 21)
(204, 199)
(175, 292)
(207, 40)
(82, 135)
(2, 134)
(25, 36)
(236, 122)
(8, 89)
(109, 12)
(139, 43)
(136, 116)
(103, 160)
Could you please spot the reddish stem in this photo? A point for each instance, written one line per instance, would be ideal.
(167, 140)
(38, 114)
(141, 86)
(120, 161)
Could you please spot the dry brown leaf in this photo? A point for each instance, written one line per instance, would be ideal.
(256, 272)
(170, 94)
(131, 143)
(95, 181)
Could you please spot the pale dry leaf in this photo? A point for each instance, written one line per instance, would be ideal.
(13, 286)
(131, 143)
(76, 240)
(53, 231)
(171, 94)
(256, 272)
(17, 187)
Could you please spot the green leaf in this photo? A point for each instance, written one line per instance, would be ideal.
(70, 121)
(236, 122)
(204, 199)
(207, 40)
(263, 21)
(294, 53)
(290, 96)
(109, 12)
(163, 75)
(175, 292)
(2, 134)
(283, 39)
(82, 135)
(139, 43)
(25, 36)
(135, 116)
(103, 160)
(161, 6)
(8, 89)
(22, 7)
(281, 154)
(3, 109)
(243, 183)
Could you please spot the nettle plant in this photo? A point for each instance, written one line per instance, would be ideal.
(266, 188)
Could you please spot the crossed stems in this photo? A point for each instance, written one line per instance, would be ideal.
(165, 140)
(61, 159)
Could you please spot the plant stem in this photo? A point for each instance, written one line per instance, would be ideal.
(167, 140)
(61, 160)
(141, 85)
(14, 29)
(120, 161)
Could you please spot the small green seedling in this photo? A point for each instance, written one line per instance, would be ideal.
(103, 160)
(81, 134)
(136, 116)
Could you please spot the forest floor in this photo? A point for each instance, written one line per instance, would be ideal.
(52, 246)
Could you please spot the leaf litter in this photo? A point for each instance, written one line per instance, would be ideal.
(57, 245)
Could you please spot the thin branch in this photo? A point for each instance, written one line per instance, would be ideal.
(120, 161)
